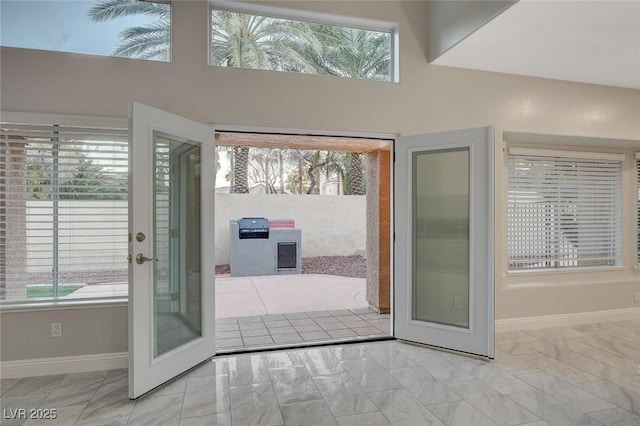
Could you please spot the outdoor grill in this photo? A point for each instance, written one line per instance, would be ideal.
(259, 246)
(253, 227)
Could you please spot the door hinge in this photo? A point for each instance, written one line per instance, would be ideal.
(129, 257)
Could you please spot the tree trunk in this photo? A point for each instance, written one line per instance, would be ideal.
(281, 164)
(240, 170)
(357, 182)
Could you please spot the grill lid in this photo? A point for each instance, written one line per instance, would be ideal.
(253, 227)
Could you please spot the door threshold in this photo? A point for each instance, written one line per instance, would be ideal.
(299, 345)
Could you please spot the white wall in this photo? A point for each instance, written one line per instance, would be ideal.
(427, 99)
(331, 225)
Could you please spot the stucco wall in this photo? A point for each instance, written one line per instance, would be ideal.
(331, 225)
(428, 98)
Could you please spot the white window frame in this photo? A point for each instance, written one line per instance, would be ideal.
(316, 17)
(637, 179)
(569, 155)
(63, 120)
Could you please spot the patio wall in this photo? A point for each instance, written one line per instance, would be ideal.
(331, 225)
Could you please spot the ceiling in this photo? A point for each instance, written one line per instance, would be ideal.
(585, 41)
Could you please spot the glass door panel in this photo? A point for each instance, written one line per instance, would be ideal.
(177, 293)
(440, 279)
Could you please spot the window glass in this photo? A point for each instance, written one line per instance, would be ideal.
(63, 212)
(243, 40)
(564, 212)
(126, 28)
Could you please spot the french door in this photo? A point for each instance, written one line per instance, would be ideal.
(444, 227)
(171, 225)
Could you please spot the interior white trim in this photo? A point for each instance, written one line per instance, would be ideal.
(566, 320)
(64, 119)
(304, 132)
(566, 154)
(63, 365)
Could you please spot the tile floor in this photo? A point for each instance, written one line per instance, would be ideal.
(299, 328)
(583, 375)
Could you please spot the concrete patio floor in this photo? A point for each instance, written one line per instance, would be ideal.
(281, 294)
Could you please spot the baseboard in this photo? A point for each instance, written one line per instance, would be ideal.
(566, 320)
(63, 365)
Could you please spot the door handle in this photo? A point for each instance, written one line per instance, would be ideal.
(141, 258)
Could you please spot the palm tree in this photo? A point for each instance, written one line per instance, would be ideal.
(144, 42)
(357, 178)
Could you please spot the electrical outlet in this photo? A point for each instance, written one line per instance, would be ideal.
(56, 329)
(636, 297)
(456, 302)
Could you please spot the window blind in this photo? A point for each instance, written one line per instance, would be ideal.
(564, 212)
(63, 211)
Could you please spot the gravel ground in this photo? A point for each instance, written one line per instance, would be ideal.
(342, 266)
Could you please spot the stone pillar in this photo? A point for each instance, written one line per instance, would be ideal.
(13, 215)
(379, 230)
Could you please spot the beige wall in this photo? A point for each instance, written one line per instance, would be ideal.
(428, 98)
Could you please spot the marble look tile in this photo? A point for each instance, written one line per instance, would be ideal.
(157, 410)
(64, 416)
(366, 419)
(615, 417)
(423, 386)
(440, 368)
(255, 405)
(343, 395)
(178, 385)
(607, 356)
(514, 347)
(293, 384)
(513, 364)
(6, 384)
(615, 394)
(370, 376)
(492, 403)
(42, 385)
(550, 409)
(388, 355)
(308, 413)
(459, 413)
(281, 359)
(321, 362)
(110, 404)
(205, 395)
(599, 369)
(75, 388)
(565, 392)
(349, 352)
(219, 419)
(212, 367)
(493, 376)
(11, 405)
(403, 409)
(557, 368)
(247, 370)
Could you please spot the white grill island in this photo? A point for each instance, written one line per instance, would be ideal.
(259, 246)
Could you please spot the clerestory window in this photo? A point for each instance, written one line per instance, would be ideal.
(249, 36)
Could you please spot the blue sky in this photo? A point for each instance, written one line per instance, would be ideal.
(60, 26)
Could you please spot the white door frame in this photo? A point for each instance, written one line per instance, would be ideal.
(479, 337)
(146, 371)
